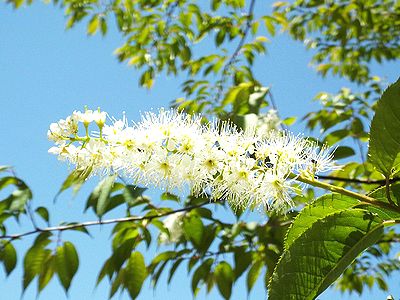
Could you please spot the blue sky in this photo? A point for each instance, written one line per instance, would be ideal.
(47, 72)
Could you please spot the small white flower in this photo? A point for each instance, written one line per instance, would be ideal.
(172, 150)
(85, 117)
(99, 117)
(173, 223)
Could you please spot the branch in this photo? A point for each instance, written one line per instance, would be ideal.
(354, 180)
(101, 222)
(237, 50)
(336, 189)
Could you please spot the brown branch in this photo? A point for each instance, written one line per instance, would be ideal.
(101, 222)
(355, 180)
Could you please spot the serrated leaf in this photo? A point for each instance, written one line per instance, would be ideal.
(135, 274)
(384, 144)
(8, 256)
(319, 209)
(380, 194)
(224, 277)
(317, 258)
(67, 263)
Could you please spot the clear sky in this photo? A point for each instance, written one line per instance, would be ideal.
(47, 72)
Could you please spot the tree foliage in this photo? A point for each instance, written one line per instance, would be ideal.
(337, 234)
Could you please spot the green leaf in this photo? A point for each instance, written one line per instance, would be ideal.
(319, 209)
(343, 152)
(8, 256)
(224, 277)
(242, 261)
(103, 192)
(193, 228)
(201, 273)
(384, 145)
(173, 269)
(33, 263)
(317, 258)
(380, 194)
(75, 180)
(43, 213)
(4, 168)
(135, 274)
(253, 274)
(47, 272)
(93, 25)
(67, 263)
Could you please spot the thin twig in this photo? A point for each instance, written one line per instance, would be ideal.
(355, 180)
(340, 190)
(31, 215)
(387, 189)
(102, 222)
(237, 50)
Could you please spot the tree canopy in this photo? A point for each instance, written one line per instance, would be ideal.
(343, 237)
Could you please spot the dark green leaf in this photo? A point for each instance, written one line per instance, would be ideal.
(43, 212)
(224, 277)
(201, 273)
(253, 274)
(242, 261)
(343, 152)
(317, 258)
(8, 256)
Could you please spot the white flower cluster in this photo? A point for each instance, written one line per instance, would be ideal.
(173, 150)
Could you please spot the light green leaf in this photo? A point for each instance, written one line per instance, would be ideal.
(317, 258)
(93, 25)
(384, 144)
(224, 277)
(135, 274)
(67, 263)
(193, 228)
(33, 263)
(47, 272)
